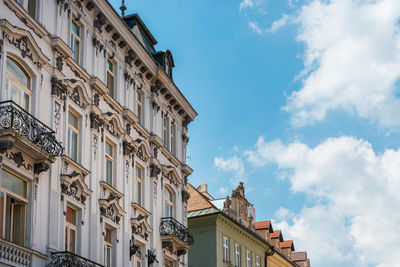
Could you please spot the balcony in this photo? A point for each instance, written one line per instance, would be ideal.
(69, 259)
(31, 134)
(175, 235)
(14, 255)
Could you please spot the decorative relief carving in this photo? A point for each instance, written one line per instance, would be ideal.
(23, 45)
(154, 170)
(95, 141)
(38, 168)
(141, 153)
(185, 196)
(73, 185)
(99, 21)
(19, 160)
(128, 149)
(99, 47)
(76, 98)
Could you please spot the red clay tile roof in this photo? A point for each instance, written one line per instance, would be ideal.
(262, 225)
(197, 200)
(299, 256)
(276, 234)
(287, 244)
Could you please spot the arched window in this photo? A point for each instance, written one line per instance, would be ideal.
(169, 199)
(18, 84)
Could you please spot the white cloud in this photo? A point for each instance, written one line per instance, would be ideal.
(352, 215)
(255, 28)
(246, 4)
(276, 25)
(234, 164)
(351, 61)
(223, 190)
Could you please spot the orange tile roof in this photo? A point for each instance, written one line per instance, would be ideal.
(287, 244)
(197, 200)
(262, 225)
(276, 234)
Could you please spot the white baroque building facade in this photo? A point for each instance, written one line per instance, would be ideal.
(93, 136)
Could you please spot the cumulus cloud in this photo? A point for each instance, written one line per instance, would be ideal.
(246, 4)
(353, 210)
(233, 164)
(351, 61)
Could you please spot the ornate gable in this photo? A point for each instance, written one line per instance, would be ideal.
(73, 185)
(142, 152)
(109, 203)
(24, 42)
(171, 174)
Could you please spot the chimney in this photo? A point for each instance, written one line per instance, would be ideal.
(203, 188)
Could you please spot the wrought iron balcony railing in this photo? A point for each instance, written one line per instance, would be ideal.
(69, 259)
(170, 226)
(16, 118)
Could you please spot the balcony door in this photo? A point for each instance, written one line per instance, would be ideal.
(17, 84)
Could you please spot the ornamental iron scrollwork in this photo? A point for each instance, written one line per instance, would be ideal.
(170, 226)
(16, 118)
(69, 259)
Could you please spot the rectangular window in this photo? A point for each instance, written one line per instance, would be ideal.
(75, 39)
(109, 156)
(139, 185)
(248, 258)
(237, 255)
(165, 131)
(258, 261)
(73, 136)
(108, 247)
(32, 8)
(173, 139)
(139, 106)
(71, 229)
(13, 208)
(225, 241)
(110, 77)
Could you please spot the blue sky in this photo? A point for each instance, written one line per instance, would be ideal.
(299, 100)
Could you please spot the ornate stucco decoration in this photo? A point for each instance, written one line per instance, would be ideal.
(109, 203)
(237, 206)
(140, 226)
(113, 124)
(73, 185)
(171, 174)
(75, 90)
(142, 152)
(24, 42)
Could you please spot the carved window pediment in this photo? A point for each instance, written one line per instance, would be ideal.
(142, 152)
(140, 226)
(171, 174)
(24, 42)
(109, 203)
(74, 186)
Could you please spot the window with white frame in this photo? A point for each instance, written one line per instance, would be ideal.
(109, 158)
(110, 77)
(258, 261)
(73, 136)
(71, 230)
(13, 208)
(248, 258)
(139, 106)
(17, 85)
(75, 39)
(173, 139)
(108, 246)
(165, 131)
(225, 245)
(139, 184)
(237, 255)
(169, 200)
